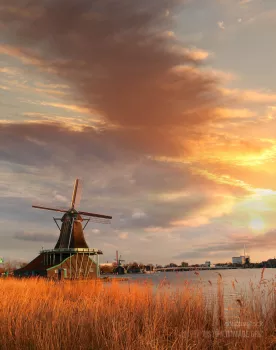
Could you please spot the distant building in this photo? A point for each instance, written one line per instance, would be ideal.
(184, 264)
(238, 260)
(207, 263)
(241, 260)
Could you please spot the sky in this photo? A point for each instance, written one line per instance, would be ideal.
(164, 109)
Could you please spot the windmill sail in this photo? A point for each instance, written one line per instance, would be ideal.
(74, 194)
(47, 208)
(78, 194)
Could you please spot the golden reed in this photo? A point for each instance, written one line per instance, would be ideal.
(38, 314)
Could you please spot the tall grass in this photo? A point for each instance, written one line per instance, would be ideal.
(36, 314)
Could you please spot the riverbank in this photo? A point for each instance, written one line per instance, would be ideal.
(36, 314)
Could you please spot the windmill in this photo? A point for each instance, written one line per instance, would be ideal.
(71, 252)
(118, 259)
(71, 230)
(120, 270)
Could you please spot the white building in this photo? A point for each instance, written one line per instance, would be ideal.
(240, 259)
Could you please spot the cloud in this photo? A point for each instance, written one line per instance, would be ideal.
(204, 215)
(3, 87)
(221, 75)
(138, 214)
(243, 2)
(35, 237)
(221, 25)
(232, 113)
(46, 137)
(196, 54)
(140, 119)
(234, 244)
(253, 96)
(8, 71)
(169, 192)
(123, 235)
(60, 198)
(21, 53)
(118, 66)
(73, 108)
(95, 231)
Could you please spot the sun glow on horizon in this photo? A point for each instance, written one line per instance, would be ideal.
(257, 224)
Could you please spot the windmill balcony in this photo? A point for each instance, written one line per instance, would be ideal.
(90, 251)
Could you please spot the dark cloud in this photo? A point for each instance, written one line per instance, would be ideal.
(115, 181)
(42, 143)
(119, 63)
(53, 144)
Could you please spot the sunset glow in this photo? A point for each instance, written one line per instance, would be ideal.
(257, 224)
(165, 111)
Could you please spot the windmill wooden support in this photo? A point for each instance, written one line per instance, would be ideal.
(71, 257)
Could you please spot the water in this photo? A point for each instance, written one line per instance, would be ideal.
(237, 283)
(241, 277)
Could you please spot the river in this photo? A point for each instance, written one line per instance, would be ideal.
(238, 284)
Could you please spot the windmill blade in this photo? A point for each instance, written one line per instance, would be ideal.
(78, 194)
(46, 208)
(95, 215)
(100, 220)
(74, 193)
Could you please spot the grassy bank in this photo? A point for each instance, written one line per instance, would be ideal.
(36, 314)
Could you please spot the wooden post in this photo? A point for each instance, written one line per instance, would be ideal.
(98, 266)
(76, 268)
(85, 273)
(81, 264)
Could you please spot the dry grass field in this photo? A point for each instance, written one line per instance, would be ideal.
(36, 314)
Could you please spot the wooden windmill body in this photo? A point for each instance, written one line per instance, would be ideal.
(71, 257)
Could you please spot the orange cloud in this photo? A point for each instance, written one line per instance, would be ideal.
(218, 207)
(130, 79)
(251, 95)
(23, 54)
(3, 87)
(193, 53)
(228, 113)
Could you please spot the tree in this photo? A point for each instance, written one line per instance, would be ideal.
(22, 264)
(107, 268)
(173, 265)
(133, 265)
(9, 266)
